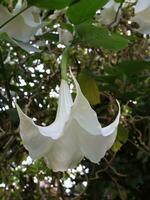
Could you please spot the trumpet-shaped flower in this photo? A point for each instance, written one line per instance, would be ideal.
(142, 16)
(21, 28)
(75, 133)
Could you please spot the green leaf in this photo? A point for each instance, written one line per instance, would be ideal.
(122, 137)
(129, 67)
(49, 4)
(119, 1)
(12, 112)
(94, 36)
(84, 10)
(89, 87)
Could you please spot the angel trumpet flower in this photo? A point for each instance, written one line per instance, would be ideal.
(75, 133)
(22, 27)
(142, 16)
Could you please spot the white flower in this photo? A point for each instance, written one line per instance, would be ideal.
(142, 16)
(65, 36)
(22, 27)
(75, 133)
(108, 13)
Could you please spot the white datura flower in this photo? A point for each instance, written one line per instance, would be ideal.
(108, 13)
(142, 16)
(75, 133)
(21, 28)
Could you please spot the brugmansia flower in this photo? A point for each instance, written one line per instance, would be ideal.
(142, 16)
(75, 133)
(21, 28)
(108, 13)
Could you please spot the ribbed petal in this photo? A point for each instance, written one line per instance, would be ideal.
(142, 5)
(83, 113)
(32, 18)
(55, 130)
(65, 152)
(4, 15)
(37, 144)
(108, 14)
(94, 147)
(142, 19)
(94, 140)
(18, 28)
(142, 16)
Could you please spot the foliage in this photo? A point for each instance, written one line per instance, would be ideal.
(33, 80)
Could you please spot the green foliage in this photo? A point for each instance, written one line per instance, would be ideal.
(122, 137)
(129, 68)
(52, 4)
(89, 87)
(75, 12)
(100, 37)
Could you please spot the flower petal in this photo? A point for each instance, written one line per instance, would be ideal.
(65, 153)
(4, 15)
(108, 130)
(94, 147)
(94, 140)
(25, 46)
(83, 113)
(34, 142)
(32, 17)
(141, 5)
(18, 28)
(55, 130)
(142, 16)
(108, 13)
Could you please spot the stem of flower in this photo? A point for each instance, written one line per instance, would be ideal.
(9, 20)
(64, 63)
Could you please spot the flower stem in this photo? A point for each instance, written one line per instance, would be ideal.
(64, 63)
(9, 20)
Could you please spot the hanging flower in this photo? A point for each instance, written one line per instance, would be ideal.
(142, 16)
(21, 28)
(75, 133)
(108, 13)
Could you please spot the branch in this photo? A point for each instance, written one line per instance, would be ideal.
(6, 82)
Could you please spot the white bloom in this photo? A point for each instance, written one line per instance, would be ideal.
(108, 13)
(65, 36)
(57, 13)
(75, 133)
(22, 27)
(142, 16)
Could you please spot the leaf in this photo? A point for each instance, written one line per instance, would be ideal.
(49, 4)
(94, 36)
(84, 10)
(119, 1)
(13, 115)
(129, 67)
(122, 137)
(89, 87)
